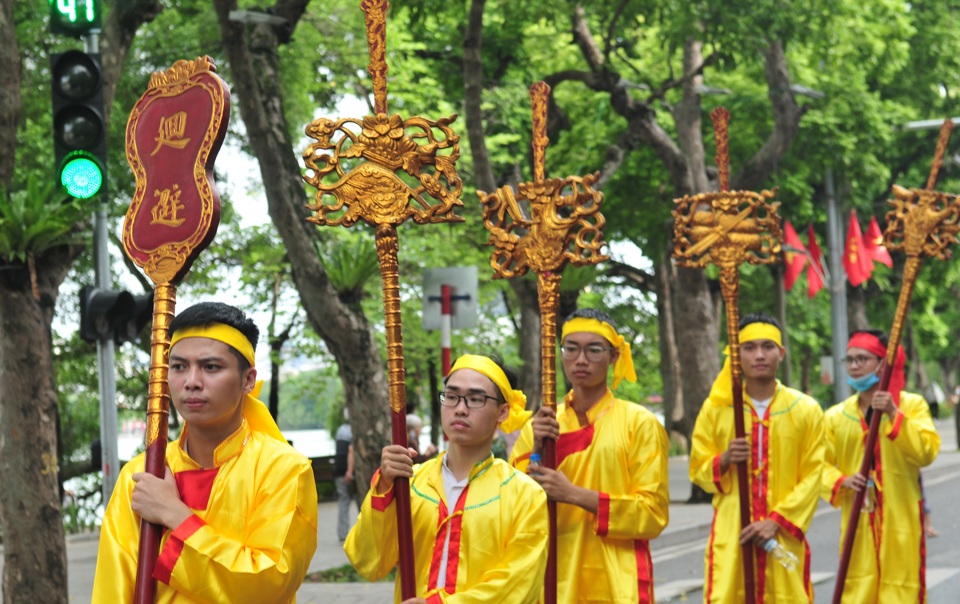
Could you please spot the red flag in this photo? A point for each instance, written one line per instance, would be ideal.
(794, 257)
(815, 268)
(873, 242)
(855, 260)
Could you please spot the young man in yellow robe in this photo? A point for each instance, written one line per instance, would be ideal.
(238, 504)
(784, 451)
(887, 562)
(610, 484)
(480, 527)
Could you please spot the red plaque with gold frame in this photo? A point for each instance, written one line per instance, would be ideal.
(173, 135)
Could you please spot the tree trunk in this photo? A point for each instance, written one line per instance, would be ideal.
(529, 339)
(921, 381)
(35, 567)
(9, 93)
(35, 563)
(806, 365)
(254, 66)
(121, 26)
(780, 304)
(524, 288)
(857, 309)
(673, 410)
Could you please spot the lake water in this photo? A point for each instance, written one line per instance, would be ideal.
(312, 443)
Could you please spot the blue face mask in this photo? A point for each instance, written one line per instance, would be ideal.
(862, 384)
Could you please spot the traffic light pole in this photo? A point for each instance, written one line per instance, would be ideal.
(106, 364)
(838, 289)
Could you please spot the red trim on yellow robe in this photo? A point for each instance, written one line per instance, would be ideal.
(498, 554)
(784, 474)
(888, 561)
(253, 541)
(604, 556)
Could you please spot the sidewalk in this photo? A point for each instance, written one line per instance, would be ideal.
(687, 523)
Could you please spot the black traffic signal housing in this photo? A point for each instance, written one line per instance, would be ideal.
(107, 314)
(79, 130)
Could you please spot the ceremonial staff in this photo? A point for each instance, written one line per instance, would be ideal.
(173, 135)
(923, 222)
(727, 229)
(358, 181)
(564, 226)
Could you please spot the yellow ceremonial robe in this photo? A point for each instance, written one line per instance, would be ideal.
(784, 470)
(887, 562)
(250, 540)
(621, 454)
(497, 546)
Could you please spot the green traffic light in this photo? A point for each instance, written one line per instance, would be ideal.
(81, 176)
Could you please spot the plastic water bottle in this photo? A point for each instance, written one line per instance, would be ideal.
(870, 496)
(534, 460)
(786, 559)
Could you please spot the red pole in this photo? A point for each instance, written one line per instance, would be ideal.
(746, 549)
(743, 484)
(446, 327)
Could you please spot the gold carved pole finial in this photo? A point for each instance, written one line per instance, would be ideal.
(942, 139)
(549, 223)
(727, 229)
(923, 222)
(539, 96)
(721, 137)
(375, 15)
(353, 164)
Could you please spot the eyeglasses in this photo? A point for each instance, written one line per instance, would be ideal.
(595, 352)
(474, 400)
(858, 360)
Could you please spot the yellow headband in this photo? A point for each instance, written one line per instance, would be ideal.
(516, 399)
(254, 411)
(222, 333)
(761, 331)
(722, 390)
(624, 366)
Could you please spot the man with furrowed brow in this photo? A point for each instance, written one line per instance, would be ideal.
(238, 503)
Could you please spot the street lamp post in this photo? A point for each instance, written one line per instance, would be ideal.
(838, 289)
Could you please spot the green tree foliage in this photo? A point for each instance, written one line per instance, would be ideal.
(35, 219)
(879, 64)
